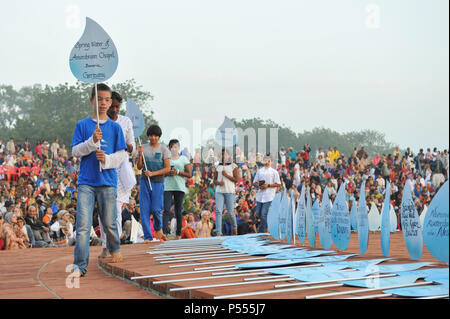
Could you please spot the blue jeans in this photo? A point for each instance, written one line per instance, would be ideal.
(262, 209)
(228, 200)
(151, 202)
(107, 212)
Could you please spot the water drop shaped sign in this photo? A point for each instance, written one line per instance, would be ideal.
(411, 228)
(300, 223)
(436, 225)
(324, 221)
(363, 220)
(227, 134)
(316, 211)
(310, 221)
(393, 219)
(94, 57)
(385, 222)
(283, 216)
(272, 216)
(374, 218)
(136, 117)
(340, 220)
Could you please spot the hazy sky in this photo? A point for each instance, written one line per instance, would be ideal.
(345, 65)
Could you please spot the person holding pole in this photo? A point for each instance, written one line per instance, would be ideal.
(154, 159)
(93, 184)
(126, 179)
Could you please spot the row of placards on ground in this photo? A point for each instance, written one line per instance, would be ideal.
(333, 221)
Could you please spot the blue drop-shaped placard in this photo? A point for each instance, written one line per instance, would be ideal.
(374, 218)
(436, 225)
(316, 212)
(272, 216)
(289, 221)
(340, 220)
(94, 57)
(363, 220)
(310, 220)
(324, 221)
(227, 134)
(137, 118)
(411, 228)
(300, 223)
(385, 222)
(283, 216)
(393, 219)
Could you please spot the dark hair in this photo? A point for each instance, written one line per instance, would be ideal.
(154, 130)
(100, 87)
(174, 141)
(116, 96)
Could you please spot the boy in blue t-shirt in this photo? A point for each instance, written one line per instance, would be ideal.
(95, 184)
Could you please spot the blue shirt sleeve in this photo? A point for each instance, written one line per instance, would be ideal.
(77, 135)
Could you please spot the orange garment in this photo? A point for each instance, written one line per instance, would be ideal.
(187, 232)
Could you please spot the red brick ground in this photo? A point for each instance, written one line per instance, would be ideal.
(41, 273)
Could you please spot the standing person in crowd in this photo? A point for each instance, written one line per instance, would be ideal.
(93, 183)
(54, 148)
(10, 147)
(157, 164)
(175, 186)
(126, 179)
(267, 180)
(225, 178)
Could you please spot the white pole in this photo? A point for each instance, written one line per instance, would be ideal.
(434, 297)
(173, 257)
(274, 291)
(98, 121)
(266, 269)
(334, 280)
(367, 290)
(184, 250)
(370, 296)
(195, 257)
(202, 278)
(230, 284)
(203, 258)
(172, 274)
(217, 262)
(145, 163)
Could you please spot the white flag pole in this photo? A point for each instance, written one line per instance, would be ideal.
(145, 164)
(98, 123)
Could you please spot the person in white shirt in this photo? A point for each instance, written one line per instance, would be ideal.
(126, 179)
(225, 178)
(267, 180)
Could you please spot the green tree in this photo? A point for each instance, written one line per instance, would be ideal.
(48, 112)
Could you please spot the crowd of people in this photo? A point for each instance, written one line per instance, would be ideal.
(39, 189)
(38, 199)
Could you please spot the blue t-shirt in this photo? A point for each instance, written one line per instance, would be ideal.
(112, 141)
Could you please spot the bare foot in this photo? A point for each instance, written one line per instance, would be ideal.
(117, 257)
(160, 235)
(104, 253)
